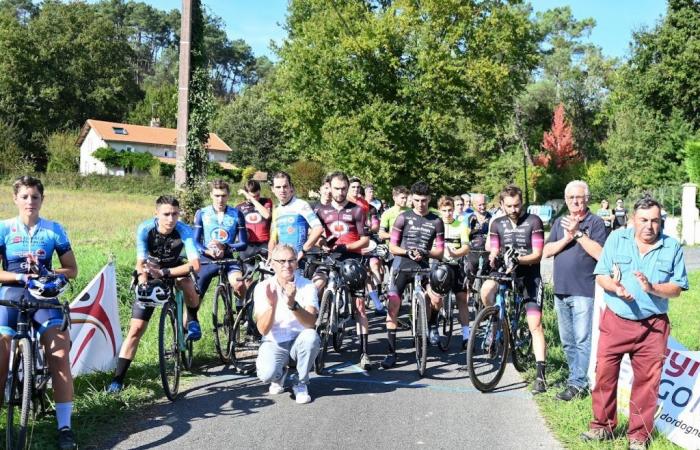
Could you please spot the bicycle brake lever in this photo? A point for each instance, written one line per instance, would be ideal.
(65, 325)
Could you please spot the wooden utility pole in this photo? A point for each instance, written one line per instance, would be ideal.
(183, 93)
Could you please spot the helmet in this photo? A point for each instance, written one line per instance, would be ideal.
(48, 287)
(382, 251)
(354, 274)
(155, 291)
(441, 279)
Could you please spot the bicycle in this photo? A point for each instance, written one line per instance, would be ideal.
(473, 282)
(496, 330)
(416, 295)
(446, 320)
(29, 374)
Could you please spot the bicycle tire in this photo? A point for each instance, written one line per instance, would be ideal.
(243, 355)
(421, 335)
(169, 351)
(481, 354)
(324, 330)
(20, 395)
(446, 319)
(222, 321)
(187, 355)
(521, 341)
(339, 332)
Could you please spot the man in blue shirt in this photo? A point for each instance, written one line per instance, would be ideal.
(640, 269)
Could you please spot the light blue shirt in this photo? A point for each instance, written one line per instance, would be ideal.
(662, 264)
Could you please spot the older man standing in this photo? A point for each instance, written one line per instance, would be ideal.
(286, 306)
(575, 241)
(640, 269)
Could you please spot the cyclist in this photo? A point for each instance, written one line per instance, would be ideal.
(324, 194)
(257, 212)
(523, 232)
(459, 207)
(456, 247)
(467, 204)
(400, 196)
(219, 230)
(356, 195)
(293, 221)
(417, 234)
(371, 199)
(162, 239)
(28, 241)
(345, 223)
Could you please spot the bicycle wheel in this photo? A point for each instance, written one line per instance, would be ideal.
(222, 320)
(169, 351)
(323, 328)
(243, 349)
(446, 318)
(20, 395)
(487, 349)
(342, 304)
(521, 340)
(421, 333)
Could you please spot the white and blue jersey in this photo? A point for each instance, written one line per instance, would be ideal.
(227, 228)
(291, 223)
(164, 248)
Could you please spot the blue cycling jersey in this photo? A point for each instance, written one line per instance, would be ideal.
(166, 248)
(227, 228)
(291, 222)
(17, 241)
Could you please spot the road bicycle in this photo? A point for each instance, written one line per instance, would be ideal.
(415, 294)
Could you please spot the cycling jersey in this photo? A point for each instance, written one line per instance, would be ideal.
(421, 232)
(227, 228)
(372, 217)
(389, 216)
(347, 224)
(291, 223)
(525, 236)
(165, 248)
(478, 230)
(456, 236)
(17, 242)
(257, 226)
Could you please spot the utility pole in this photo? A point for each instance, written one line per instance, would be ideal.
(183, 93)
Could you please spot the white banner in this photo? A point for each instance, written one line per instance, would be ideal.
(679, 392)
(95, 330)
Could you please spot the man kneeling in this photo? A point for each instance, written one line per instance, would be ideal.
(286, 307)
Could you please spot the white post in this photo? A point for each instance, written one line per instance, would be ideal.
(689, 212)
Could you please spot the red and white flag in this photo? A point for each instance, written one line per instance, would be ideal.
(95, 330)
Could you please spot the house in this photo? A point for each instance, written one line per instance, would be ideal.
(160, 142)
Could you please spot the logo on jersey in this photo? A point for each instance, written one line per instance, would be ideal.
(339, 228)
(17, 239)
(253, 217)
(219, 234)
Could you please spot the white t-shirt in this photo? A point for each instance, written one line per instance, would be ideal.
(285, 326)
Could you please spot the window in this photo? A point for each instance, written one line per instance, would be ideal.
(120, 130)
(130, 149)
(165, 153)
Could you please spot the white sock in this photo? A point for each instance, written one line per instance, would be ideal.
(63, 414)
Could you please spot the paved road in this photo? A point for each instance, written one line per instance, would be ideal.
(351, 408)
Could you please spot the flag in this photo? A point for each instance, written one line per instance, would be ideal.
(95, 332)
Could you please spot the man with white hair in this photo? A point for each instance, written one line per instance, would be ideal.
(575, 241)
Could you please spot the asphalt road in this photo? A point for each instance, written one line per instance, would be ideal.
(350, 408)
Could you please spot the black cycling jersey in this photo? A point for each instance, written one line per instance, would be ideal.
(478, 231)
(420, 232)
(526, 235)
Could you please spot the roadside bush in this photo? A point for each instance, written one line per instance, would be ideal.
(692, 161)
(306, 176)
(215, 171)
(64, 155)
(130, 161)
(128, 184)
(248, 173)
(13, 159)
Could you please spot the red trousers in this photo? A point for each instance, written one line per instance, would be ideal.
(645, 342)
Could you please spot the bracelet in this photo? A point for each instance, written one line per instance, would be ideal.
(165, 272)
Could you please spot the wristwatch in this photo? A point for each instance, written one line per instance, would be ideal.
(578, 235)
(295, 306)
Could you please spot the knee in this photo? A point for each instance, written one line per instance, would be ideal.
(308, 338)
(266, 370)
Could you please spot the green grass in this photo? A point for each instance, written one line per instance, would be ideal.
(99, 225)
(569, 419)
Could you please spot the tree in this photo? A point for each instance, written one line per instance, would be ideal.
(558, 143)
(159, 102)
(64, 155)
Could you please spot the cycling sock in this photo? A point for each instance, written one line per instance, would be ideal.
(465, 331)
(364, 338)
(122, 366)
(63, 413)
(192, 313)
(540, 369)
(392, 340)
(375, 298)
(432, 320)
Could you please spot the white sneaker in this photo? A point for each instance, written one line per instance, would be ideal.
(301, 392)
(277, 387)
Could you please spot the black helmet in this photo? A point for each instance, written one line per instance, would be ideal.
(155, 291)
(441, 279)
(354, 274)
(48, 287)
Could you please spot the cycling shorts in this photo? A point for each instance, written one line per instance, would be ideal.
(400, 280)
(208, 271)
(43, 319)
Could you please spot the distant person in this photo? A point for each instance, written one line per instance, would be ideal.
(620, 214)
(606, 214)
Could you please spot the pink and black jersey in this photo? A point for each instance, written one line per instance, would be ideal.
(525, 236)
(422, 232)
(347, 224)
(257, 226)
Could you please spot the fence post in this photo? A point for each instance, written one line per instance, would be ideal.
(689, 212)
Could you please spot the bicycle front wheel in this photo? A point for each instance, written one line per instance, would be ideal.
(342, 303)
(446, 318)
(521, 341)
(20, 384)
(323, 328)
(222, 320)
(169, 351)
(487, 349)
(421, 333)
(244, 344)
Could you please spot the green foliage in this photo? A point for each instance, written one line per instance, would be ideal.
(191, 200)
(127, 184)
(248, 173)
(13, 159)
(216, 171)
(692, 161)
(130, 161)
(64, 154)
(306, 176)
(160, 102)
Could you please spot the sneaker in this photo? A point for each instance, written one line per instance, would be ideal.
(465, 343)
(389, 361)
(194, 332)
(365, 362)
(301, 392)
(637, 445)
(66, 441)
(115, 387)
(597, 434)
(539, 387)
(277, 387)
(434, 336)
(570, 393)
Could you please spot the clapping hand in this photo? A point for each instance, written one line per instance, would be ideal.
(643, 281)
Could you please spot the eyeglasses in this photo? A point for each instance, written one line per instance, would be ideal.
(282, 262)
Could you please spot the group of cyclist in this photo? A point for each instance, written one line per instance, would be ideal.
(460, 234)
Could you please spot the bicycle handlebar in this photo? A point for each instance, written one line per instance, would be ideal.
(25, 304)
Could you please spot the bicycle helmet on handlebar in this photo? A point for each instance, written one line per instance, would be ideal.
(441, 279)
(47, 287)
(155, 291)
(354, 274)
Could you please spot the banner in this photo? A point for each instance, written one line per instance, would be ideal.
(678, 415)
(95, 332)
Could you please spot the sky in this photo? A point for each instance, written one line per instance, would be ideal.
(259, 22)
